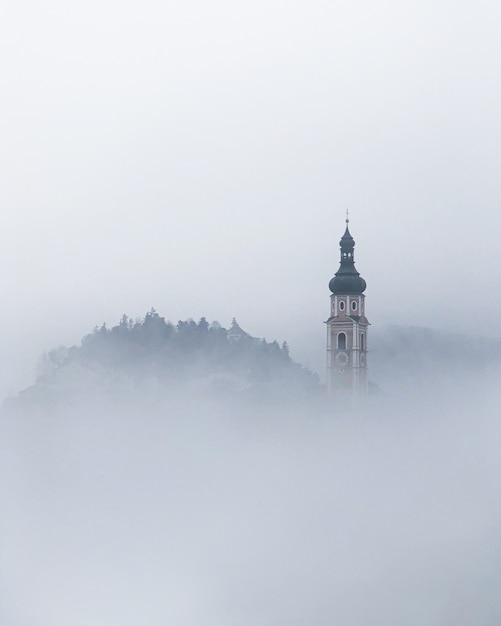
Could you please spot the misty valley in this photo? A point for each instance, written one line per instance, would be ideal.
(306, 429)
(192, 474)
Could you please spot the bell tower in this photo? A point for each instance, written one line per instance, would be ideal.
(347, 326)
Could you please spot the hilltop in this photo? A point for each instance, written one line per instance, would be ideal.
(152, 356)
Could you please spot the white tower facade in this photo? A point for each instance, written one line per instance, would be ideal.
(347, 327)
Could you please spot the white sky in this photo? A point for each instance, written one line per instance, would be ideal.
(198, 157)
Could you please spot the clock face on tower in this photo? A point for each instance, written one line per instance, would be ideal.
(341, 359)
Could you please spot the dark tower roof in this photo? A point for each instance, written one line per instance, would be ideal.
(347, 281)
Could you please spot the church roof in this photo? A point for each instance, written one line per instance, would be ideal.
(347, 281)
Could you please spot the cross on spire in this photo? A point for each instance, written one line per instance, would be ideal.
(347, 216)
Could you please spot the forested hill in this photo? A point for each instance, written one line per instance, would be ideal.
(152, 354)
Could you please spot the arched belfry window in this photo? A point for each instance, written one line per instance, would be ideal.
(362, 341)
(341, 341)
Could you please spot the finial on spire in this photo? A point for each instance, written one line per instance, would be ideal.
(347, 216)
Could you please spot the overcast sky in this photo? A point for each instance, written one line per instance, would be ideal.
(199, 157)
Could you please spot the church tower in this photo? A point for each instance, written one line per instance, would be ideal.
(347, 326)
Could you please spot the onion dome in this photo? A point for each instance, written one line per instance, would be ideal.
(347, 281)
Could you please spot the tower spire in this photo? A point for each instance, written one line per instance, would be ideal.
(347, 325)
(347, 280)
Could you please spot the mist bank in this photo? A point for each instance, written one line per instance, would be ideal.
(174, 503)
(404, 351)
(194, 513)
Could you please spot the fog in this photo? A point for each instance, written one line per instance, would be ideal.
(199, 158)
(212, 513)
